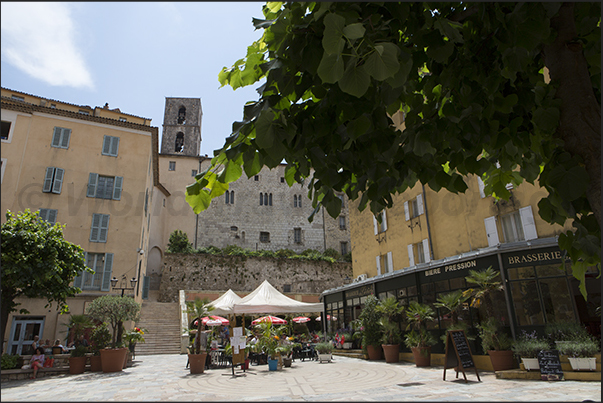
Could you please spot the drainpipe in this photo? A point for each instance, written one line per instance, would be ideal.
(427, 222)
(507, 292)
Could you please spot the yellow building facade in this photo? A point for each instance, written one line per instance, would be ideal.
(91, 169)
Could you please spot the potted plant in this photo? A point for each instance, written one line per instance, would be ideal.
(269, 341)
(391, 314)
(197, 355)
(357, 331)
(115, 311)
(419, 340)
(324, 350)
(495, 341)
(346, 341)
(77, 326)
(286, 351)
(560, 333)
(77, 360)
(100, 339)
(527, 346)
(372, 330)
(581, 350)
(134, 336)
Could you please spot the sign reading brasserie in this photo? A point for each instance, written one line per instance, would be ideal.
(527, 258)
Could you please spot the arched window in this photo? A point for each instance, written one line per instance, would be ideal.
(227, 196)
(182, 115)
(232, 197)
(265, 199)
(299, 201)
(179, 142)
(270, 199)
(294, 200)
(261, 199)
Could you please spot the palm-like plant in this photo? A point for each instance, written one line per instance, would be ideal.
(199, 308)
(418, 315)
(270, 337)
(452, 302)
(369, 318)
(487, 282)
(391, 314)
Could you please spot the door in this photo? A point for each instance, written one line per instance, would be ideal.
(22, 334)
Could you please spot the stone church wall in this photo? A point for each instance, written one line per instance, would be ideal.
(211, 272)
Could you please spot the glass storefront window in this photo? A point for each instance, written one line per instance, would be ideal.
(412, 290)
(519, 273)
(442, 286)
(527, 304)
(556, 299)
(550, 270)
(458, 282)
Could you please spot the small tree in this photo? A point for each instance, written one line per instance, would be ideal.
(178, 243)
(199, 308)
(37, 262)
(369, 318)
(115, 311)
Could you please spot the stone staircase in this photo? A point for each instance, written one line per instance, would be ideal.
(162, 320)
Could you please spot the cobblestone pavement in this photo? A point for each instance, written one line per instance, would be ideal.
(165, 378)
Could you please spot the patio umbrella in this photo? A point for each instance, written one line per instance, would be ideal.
(223, 321)
(328, 318)
(301, 319)
(273, 319)
(213, 322)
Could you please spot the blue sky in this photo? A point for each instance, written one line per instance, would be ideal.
(132, 55)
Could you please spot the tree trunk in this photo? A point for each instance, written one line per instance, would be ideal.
(8, 305)
(580, 120)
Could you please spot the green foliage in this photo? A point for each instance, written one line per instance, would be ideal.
(418, 315)
(270, 337)
(493, 338)
(9, 361)
(528, 345)
(79, 351)
(78, 324)
(580, 349)
(179, 243)
(332, 253)
(37, 262)
(487, 282)
(324, 347)
(199, 308)
(100, 338)
(565, 331)
(469, 78)
(114, 310)
(419, 339)
(370, 321)
(452, 302)
(308, 254)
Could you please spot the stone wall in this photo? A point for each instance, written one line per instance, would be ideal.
(210, 272)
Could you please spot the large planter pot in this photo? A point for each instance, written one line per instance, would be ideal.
(391, 352)
(112, 359)
(583, 363)
(95, 363)
(77, 365)
(374, 352)
(272, 365)
(530, 364)
(501, 359)
(422, 356)
(287, 361)
(197, 362)
(245, 365)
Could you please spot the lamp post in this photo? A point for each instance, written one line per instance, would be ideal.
(114, 281)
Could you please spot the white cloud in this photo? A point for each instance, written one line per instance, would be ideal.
(38, 38)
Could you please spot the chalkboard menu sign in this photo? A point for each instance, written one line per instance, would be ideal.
(458, 353)
(550, 365)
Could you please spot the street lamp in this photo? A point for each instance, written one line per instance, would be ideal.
(114, 281)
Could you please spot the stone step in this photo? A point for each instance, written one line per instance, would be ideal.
(162, 321)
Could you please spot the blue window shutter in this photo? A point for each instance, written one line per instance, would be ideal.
(92, 181)
(106, 145)
(56, 137)
(146, 282)
(114, 146)
(106, 284)
(65, 138)
(48, 179)
(104, 228)
(119, 180)
(59, 173)
(77, 282)
(95, 229)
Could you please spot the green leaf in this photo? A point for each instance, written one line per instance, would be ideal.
(359, 127)
(290, 175)
(332, 41)
(442, 53)
(449, 29)
(570, 184)
(383, 62)
(330, 69)
(199, 199)
(254, 164)
(231, 173)
(355, 81)
(354, 31)
(546, 119)
(264, 129)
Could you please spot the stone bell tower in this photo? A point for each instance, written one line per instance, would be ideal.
(182, 127)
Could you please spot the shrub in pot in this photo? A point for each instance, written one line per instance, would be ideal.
(559, 333)
(372, 330)
(419, 340)
(197, 355)
(391, 314)
(99, 339)
(527, 346)
(77, 360)
(324, 350)
(581, 354)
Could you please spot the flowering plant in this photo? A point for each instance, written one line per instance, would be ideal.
(135, 335)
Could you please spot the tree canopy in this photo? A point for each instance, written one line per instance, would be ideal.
(37, 262)
(472, 82)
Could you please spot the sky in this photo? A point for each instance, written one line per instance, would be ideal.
(132, 55)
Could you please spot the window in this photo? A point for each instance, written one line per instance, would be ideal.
(53, 106)
(294, 200)
(179, 142)
(419, 252)
(104, 187)
(264, 236)
(100, 228)
(297, 201)
(182, 115)
(194, 172)
(282, 179)
(110, 146)
(17, 98)
(265, 199)
(49, 215)
(122, 119)
(413, 208)
(172, 166)
(2, 168)
(53, 181)
(384, 263)
(380, 226)
(517, 226)
(256, 178)
(60, 137)
(512, 229)
(344, 248)
(342, 222)
(229, 197)
(100, 280)
(82, 112)
(5, 129)
(297, 235)
(286, 287)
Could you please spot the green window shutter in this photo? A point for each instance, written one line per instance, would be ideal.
(65, 138)
(106, 145)
(92, 182)
(56, 137)
(119, 180)
(146, 282)
(94, 231)
(104, 228)
(48, 179)
(106, 284)
(58, 180)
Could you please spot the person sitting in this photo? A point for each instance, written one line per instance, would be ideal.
(34, 345)
(37, 361)
(47, 347)
(81, 341)
(58, 348)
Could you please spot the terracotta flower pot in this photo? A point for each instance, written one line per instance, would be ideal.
(197, 362)
(77, 365)
(112, 359)
(501, 359)
(391, 352)
(374, 352)
(95, 363)
(422, 356)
